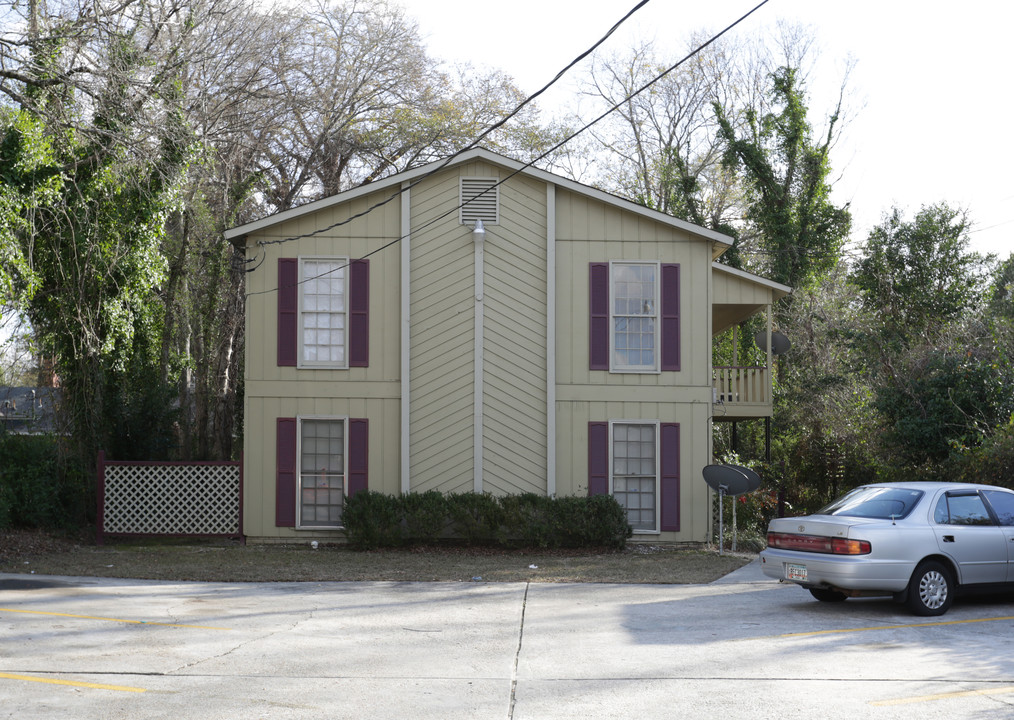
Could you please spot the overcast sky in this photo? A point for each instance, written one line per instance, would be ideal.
(931, 86)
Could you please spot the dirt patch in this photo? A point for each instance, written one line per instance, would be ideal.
(32, 552)
(23, 544)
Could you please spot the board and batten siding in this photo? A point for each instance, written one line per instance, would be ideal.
(694, 453)
(619, 235)
(591, 231)
(274, 392)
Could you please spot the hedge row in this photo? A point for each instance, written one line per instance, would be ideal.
(37, 488)
(372, 520)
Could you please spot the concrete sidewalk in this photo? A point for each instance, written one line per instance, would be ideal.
(101, 648)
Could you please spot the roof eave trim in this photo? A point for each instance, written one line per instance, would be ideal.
(396, 181)
(776, 286)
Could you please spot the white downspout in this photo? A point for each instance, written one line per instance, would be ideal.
(478, 238)
(406, 337)
(551, 340)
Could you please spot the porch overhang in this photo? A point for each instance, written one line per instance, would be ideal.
(738, 295)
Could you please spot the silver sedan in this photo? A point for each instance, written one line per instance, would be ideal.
(919, 542)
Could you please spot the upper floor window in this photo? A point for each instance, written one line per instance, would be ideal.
(634, 337)
(634, 323)
(322, 312)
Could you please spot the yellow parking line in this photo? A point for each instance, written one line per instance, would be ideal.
(897, 627)
(109, 619)
(94, 686)
(944, 696)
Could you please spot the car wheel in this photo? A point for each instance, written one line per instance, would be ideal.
(931, 589)
(825, 595)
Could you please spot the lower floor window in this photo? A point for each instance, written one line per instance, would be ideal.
(635, 473)
(321, 472)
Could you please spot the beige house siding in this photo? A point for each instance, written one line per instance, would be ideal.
(260, 454)
(442, 371)
(693, 418)
(525, 424)
(514, 342)
(590, 231)
(514, 433)
(272, 392)
(622, 235)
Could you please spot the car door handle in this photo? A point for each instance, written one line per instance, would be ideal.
(950, 538)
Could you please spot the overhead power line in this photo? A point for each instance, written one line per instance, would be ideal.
(700, 48)
(496, 126)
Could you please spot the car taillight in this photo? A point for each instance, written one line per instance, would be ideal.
(818, 544)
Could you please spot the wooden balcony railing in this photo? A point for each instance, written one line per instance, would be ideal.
(742, 385)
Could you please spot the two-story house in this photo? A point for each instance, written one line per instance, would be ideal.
(482, 326)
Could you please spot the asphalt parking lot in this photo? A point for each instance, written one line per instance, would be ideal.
(744, 647)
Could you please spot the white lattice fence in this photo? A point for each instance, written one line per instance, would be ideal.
(169, 498)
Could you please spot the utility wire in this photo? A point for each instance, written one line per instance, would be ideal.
(444, 163)
(530, 163)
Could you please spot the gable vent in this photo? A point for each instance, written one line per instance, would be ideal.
(480, 200)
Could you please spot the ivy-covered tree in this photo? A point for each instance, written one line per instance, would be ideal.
(790, 216)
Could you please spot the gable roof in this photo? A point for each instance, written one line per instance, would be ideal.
(720, 242)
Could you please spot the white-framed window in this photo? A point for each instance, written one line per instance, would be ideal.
(322, 449)
(323, 312)
(634, 471)
(634, 322)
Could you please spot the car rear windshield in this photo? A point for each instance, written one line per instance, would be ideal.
(874, 502)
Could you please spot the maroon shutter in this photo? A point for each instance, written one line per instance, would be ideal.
(669, 485)
(285, 472)
(359, 313)
(598, 458)
(598, 331)
(359, 446)
(670, 317)
(288, 306)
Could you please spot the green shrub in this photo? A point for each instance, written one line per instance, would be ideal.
(37, 489)
(591, 522)
(528, 521)
(373, 520)
(426, 516)
(476, 518)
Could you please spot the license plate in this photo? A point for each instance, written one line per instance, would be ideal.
(795, 572)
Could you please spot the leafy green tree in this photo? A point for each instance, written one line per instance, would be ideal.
(918, 276)
(939, 378)
(947, 400)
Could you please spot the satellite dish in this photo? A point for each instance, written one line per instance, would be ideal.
(727, 479)
(779, 343)
(753, 479)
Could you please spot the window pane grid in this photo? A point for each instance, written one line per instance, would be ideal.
(634, 473)
(322, 472)
(634, 316)
(323, 312)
